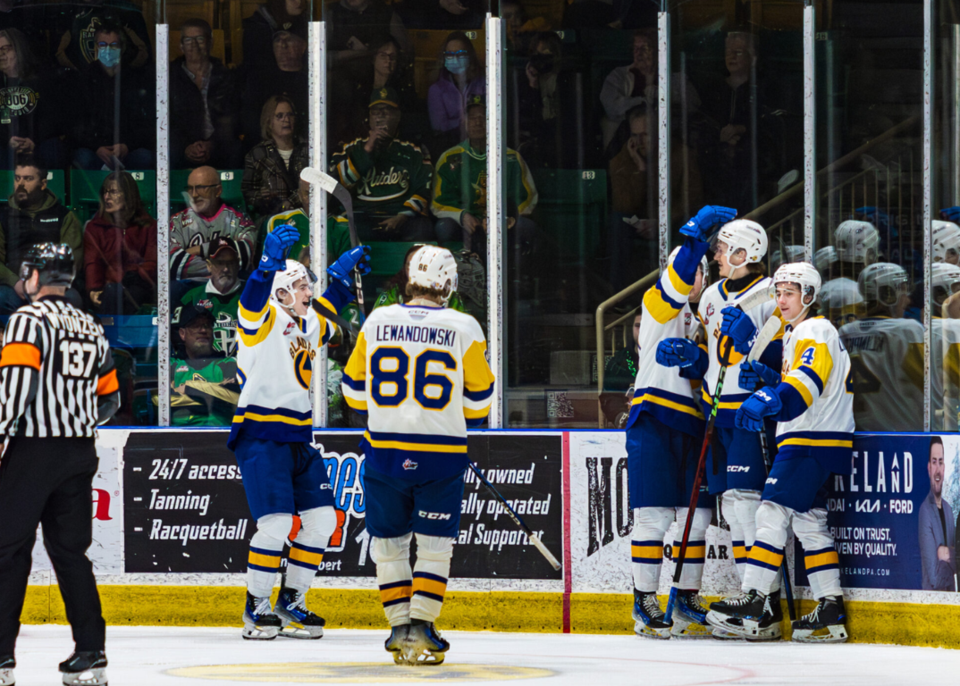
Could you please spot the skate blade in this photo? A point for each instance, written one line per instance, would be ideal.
(724, 635)
(643, 631)
(6, 678)
(739, 630)
(297, 630)
(421, 656)
(90, 677)
(252, 632)
(690, 631)
(830, 634)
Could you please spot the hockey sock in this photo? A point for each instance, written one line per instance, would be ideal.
(394, 576)
(650, 525)
(692, 572)
(740, 511)
(306, 551)
(740, 549)
(766, 555)
(266, 547)
(820, 554)
(430, 575)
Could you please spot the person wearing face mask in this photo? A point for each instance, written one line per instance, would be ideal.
(114, 100)
(77, 21)
(460, 79)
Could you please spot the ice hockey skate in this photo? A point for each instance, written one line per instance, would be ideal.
(423, 644)
(259, 622)
(7, 663)
(297, 620)
(824, 625)
(690, 617)
(394, 643)
(750, 615)
(650, 622)
(85, 668)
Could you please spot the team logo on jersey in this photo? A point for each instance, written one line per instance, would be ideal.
(710, 310)
(687, 318)
(409, 464)
(205, 304)
(290, 327)
(302, 353)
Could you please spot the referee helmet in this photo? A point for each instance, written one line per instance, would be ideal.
(53, 261)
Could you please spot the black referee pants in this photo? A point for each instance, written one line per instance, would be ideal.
(48, 481)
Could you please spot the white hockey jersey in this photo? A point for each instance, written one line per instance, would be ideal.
(421, 376)
(666, 313)
(714, 300)
(887, 359)
(817, 382)
(946, 353)
(275, 363)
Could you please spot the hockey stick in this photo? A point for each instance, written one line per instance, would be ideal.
(538, 544)
(747, 304)
(769, 330)
(337, 190)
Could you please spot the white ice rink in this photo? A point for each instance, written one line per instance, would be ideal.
(146, 656)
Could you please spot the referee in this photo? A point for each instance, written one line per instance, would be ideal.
(57, 383)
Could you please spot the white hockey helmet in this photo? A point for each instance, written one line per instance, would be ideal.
(946, 276)
(704, 265)
(434, 268)
(284, 280)
(946, 237)
(825, 258)
(884, 283)
(787, 254)
(746, 235)
(856, 240)
(804, 275)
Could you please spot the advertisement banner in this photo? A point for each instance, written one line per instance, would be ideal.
(894, 519)
(186, 510)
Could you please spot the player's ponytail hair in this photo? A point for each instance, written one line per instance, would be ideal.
(415, 291)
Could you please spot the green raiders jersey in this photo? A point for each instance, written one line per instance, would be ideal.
(205, 391)
(223, 307)
(390, 181)
(460, 183)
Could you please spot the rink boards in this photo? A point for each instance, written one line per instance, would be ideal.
(171, 527)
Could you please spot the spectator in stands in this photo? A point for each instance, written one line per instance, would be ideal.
(354, 25)
(120, 249)
(204, 382)
(460, 78)
(634, 180)
(519, 26)
(193, 231)
(204, 107)
(619, 376)
(443, 15)
(33, 214)
(79, 23)
(260, 27)
(389, 179)
(108, 90)
(460, 189)
(629, 86)
(28, 123)
(220, 296)
(271, 171)
(287, 76)
(298, 218)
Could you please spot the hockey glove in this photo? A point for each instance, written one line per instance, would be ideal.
(739, 327)
(677, 352)
(275, 247)
(702, 224)
(753, 374)
(358, 258)
(763, 403)
(950, 214)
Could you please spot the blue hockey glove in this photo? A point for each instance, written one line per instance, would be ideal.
(677, 352)
(358, 258)
(763, 403)
(739, 327)
(709, 216)
(275, 247)
(950, 214)
(756, 373)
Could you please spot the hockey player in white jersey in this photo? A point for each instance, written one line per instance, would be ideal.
(812, 401)
(280, 329)
(419, 371)
(857, 247)
(664, 432)
(945, 339)
(886, 352)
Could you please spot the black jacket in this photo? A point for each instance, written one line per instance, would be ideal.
(186, 106)
(99, 97)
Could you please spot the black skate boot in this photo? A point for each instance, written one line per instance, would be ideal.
(690, 617)
(824, 625)
(298, 621)
(649, 620)
(85, 668)
(423, 644)
(259, 622)
(7, 663)
(394, 644)
(768, 628)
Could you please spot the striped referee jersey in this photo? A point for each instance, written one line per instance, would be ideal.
(56, 372)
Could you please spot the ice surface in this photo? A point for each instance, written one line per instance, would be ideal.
(176, 656)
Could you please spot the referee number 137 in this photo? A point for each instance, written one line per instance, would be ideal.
(77, 358)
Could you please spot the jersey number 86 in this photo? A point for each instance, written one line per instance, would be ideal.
(398, 388)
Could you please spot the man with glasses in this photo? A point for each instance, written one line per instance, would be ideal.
(195, 230)
(77, 23)
(204, 105)
(287, 76)
(220, 296)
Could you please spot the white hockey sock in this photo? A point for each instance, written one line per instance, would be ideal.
(766, 555)
(650, 525)
(692, 573)
(306, 551)
(266, 548)
(820, 554)
(394, 576)
(430, 575)
(740, 549)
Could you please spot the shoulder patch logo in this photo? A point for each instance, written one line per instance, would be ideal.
(409, 464)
